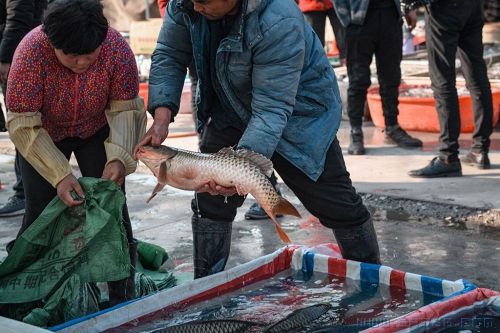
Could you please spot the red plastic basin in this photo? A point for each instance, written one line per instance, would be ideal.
(419, 113)
(143, 92)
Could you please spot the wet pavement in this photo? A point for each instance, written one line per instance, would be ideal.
(437, 246)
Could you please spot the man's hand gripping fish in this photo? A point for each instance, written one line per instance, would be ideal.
(245, 170)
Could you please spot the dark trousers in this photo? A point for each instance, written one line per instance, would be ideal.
(332, 198)
(382, 35)
(18, 185)
(91, 158)
(452, 25)
(317, 20)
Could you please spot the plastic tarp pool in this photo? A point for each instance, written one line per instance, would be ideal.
(456, 295)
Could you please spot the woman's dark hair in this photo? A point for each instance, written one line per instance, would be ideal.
(75, 26)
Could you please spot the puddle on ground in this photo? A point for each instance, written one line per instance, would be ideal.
(471, 227)
(271, 300)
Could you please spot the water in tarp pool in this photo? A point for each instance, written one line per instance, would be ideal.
(270, 301)
(481, 320)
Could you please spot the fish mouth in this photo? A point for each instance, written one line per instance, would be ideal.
(139, 152)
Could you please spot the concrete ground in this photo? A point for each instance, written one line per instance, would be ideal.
(434, 247)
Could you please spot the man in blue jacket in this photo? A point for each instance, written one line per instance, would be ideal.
(265, 84)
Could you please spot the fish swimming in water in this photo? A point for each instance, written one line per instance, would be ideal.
(299, 318)
(245, 170)
(295, 320)
(212, 326)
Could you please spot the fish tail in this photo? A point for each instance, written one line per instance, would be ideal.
(286, 208)
(283, 236)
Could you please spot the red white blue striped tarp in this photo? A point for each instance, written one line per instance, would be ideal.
(312, 261)
(323, 259)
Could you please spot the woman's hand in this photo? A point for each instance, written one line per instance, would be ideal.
(66, 186)
(158, 132)
(114, 170)
(215, 189)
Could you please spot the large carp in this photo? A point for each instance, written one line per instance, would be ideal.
(245, 170)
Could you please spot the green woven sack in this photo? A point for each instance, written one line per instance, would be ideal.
(86, 243)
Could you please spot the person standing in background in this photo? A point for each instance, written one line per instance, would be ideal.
(316, 12)
(492, 10)
(453, 25)
(193, 76)
(374, 27)
(17, 18)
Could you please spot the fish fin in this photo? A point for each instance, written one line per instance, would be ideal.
(283, 207)
(286, 208)
(162, 173)
(260, 161)
(227, 150)
(241, 189)
(151, 196)
(281, 233)
(200, 188)
(156, 190)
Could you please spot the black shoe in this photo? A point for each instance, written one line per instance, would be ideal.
(395, 134)
(256, 212)
(2, 126)
(479, 160)
(356, 146)
(438, 168)
(15, 206)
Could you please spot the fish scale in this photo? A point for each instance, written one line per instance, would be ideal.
(215, 326)
(247, 171)
(298, 318)
(227, 170)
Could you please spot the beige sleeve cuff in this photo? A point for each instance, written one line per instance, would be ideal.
(127, 122)
(35, 145)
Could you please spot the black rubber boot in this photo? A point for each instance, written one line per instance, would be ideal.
(356, 146)
(211, 243)
(124, 290)
(359, 243)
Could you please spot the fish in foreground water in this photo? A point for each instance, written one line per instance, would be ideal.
(212, 326)
(245, 170)
(299, 318)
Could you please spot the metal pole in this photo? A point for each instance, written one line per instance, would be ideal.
(147, 9)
